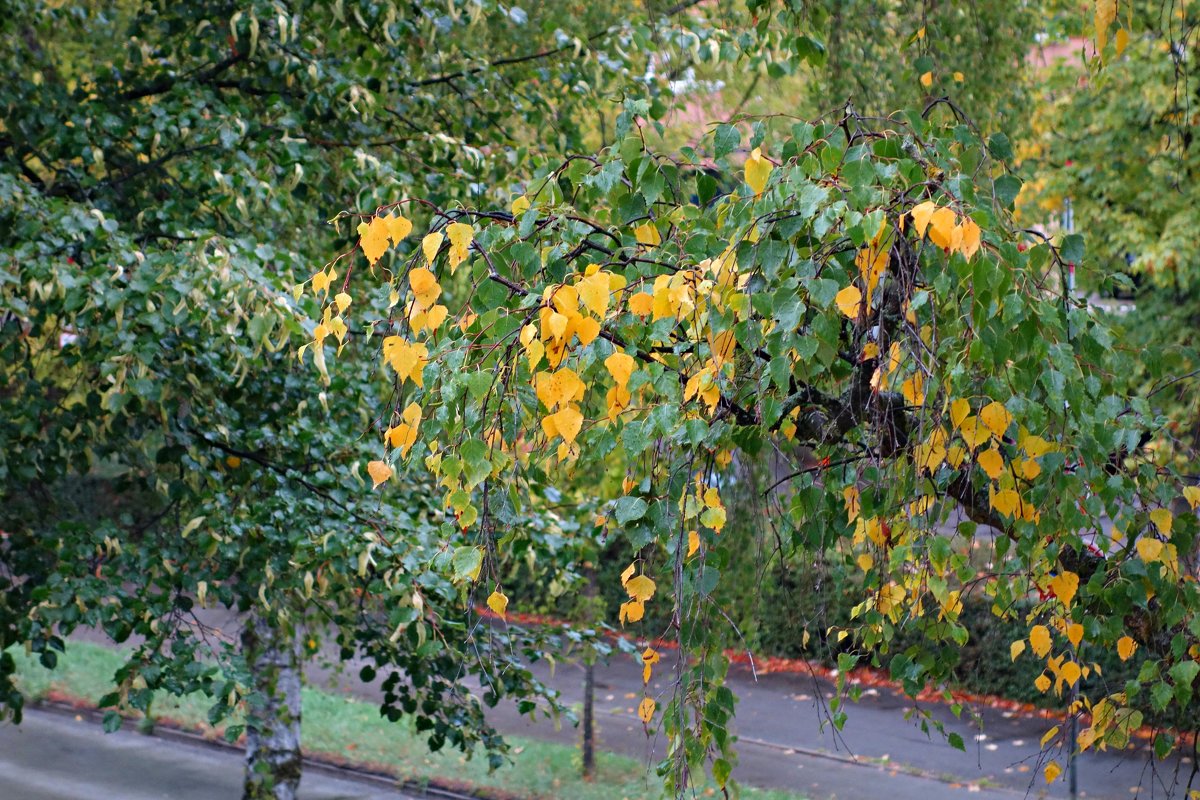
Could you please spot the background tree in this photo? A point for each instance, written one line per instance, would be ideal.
(1116, 143)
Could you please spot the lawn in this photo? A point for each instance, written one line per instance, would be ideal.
(347, 730)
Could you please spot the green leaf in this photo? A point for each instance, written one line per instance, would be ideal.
(721, 770)
(1072, 249)
(1007, 189)
(809, 49)
(1000, 147)
(725, 140)
(629, 509)
(466, 563)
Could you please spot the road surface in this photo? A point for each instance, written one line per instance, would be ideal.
(784, 745)
(51, 756)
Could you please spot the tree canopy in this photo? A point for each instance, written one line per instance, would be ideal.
(852, 297)
(562, 317)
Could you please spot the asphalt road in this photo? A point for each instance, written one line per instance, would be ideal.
(56, 757)
(784, 744)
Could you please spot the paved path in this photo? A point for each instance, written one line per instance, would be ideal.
(56, 757)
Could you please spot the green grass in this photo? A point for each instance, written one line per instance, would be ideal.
(352, 730)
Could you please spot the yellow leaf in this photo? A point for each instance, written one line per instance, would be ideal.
(758, 169)
(693, 543)
(339, 329)
(342, 300)
(435, 317)
(1106, 12)
(1035, 446)
(1192, 495)
(594, 293)
(646, 709)
(640, 588)
(1075, 633)
(722, 346)
(1149, 549)
(848, 301)
(407, 358)
(996, 418)
(424, 286)
(921, 215)
(535, 350)
(398, 227)
(1029, 469)
(641, 304)
(852, 501)
(404, 435)
(321, 281)
(628, 573)
(379, 472)
(632, 611)
(1064, 587)
(927, 79)
(1048, 735)
(943, 231)
(712, 498)
(647, 234)
(913, 389)
(959, 77)
(618, 400)
(620, 366)
(555, 389)
(498, 602)
(649, 658)
(1042, 682)
(1162, 519)
(971, 241)
(1039, 639)
(1016, 648)
(955, 456)
(1126, 647)
(992, 463)
(373, 238)
(567, 422)
(519, 205)
(960, 409)
(931, 453)
(1121, 40)
(1070, 673)
(430, 246)
(974, 432)
(461, 235)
